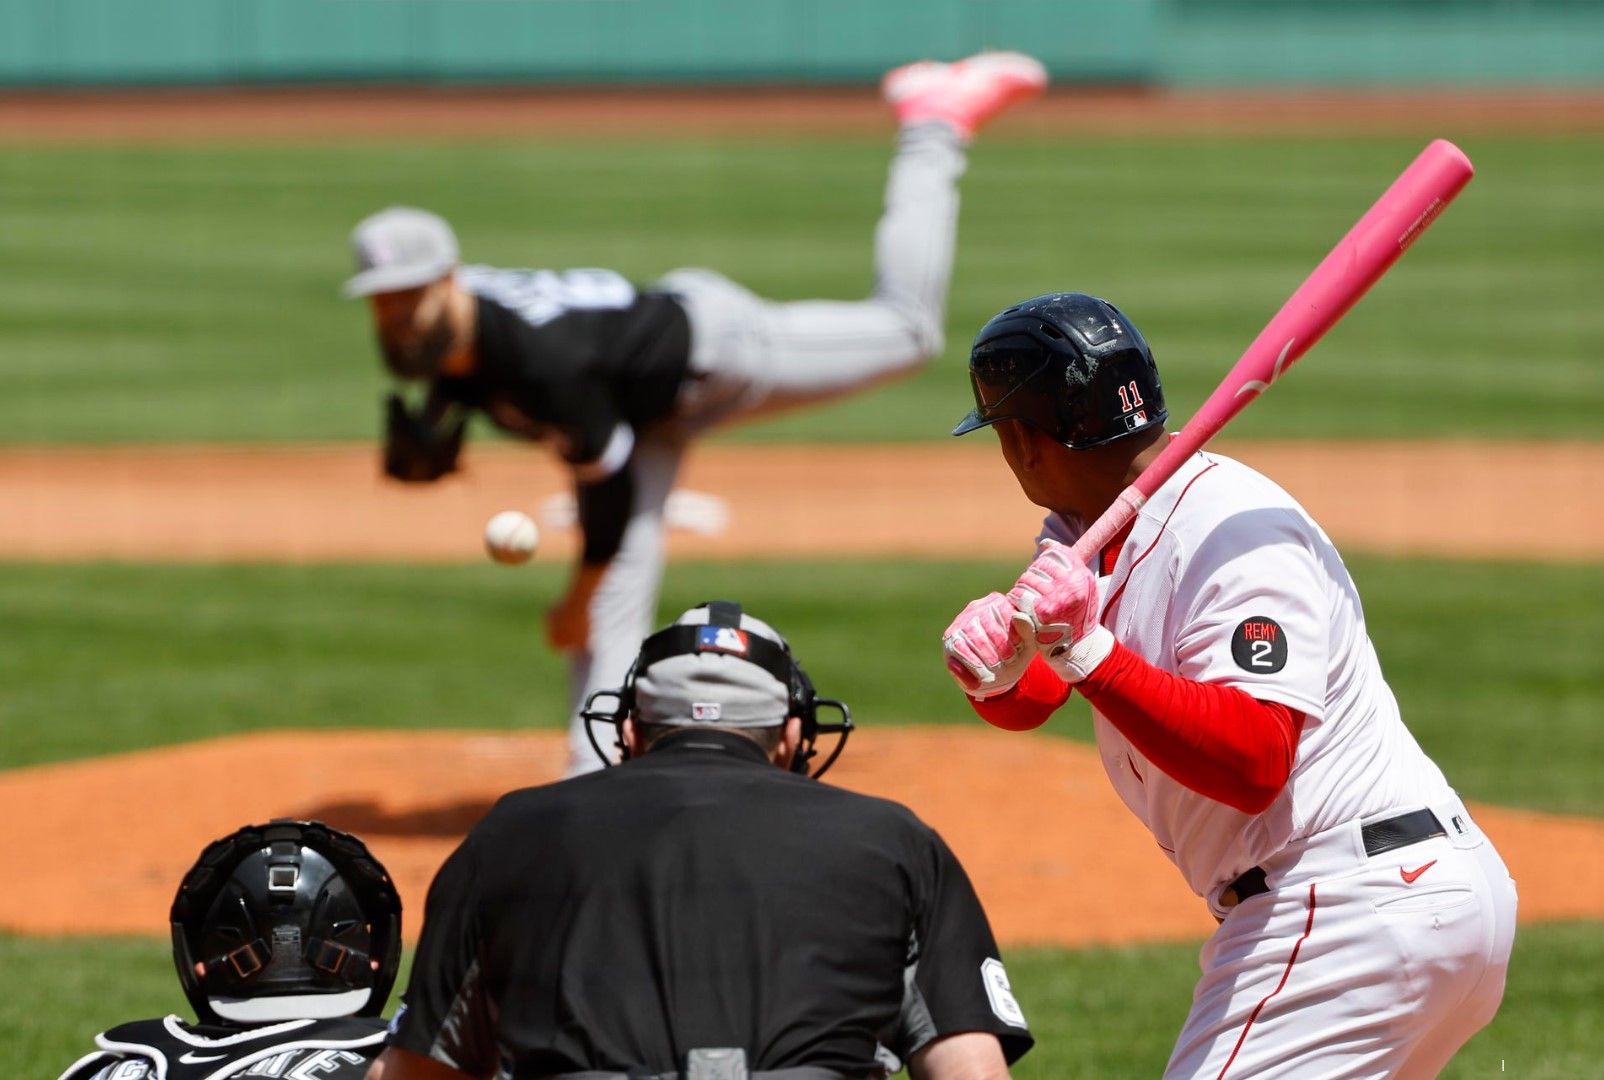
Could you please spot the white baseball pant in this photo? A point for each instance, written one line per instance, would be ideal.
(1353, 965)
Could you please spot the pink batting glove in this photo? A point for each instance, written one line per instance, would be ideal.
(983, 648)
(1057, 601)
(1058, 593)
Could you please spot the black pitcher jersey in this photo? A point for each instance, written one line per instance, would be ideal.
(699, 896)
(583, 360)
(340, 1049)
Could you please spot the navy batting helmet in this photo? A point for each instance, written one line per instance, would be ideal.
(1068, 364)
(285, 921)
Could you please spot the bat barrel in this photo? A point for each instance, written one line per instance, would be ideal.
(1405, 210)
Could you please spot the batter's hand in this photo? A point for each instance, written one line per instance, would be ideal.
(1057, 601)
(984, 651)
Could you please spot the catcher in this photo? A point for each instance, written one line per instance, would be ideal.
(286, 937)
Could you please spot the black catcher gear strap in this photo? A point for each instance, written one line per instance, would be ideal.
(421, 445)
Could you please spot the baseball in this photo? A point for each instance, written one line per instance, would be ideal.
(511, 537)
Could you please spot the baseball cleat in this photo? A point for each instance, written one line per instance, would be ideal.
(965, 94)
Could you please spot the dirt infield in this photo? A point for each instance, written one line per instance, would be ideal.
(669, 113)
(313, 504)
(413, 795)
(1055, 856)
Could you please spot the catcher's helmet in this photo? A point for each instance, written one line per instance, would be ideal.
(724, 668)
(285, 921)
(1068, 364)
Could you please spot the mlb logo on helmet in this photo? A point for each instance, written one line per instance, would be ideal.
(706, 710)
(725, 639)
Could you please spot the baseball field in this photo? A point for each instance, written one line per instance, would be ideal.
(218, 613)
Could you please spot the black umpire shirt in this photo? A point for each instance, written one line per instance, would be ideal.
(700, 896)
(582, 359)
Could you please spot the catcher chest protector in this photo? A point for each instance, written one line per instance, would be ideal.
(1068, 364)
(288, 920)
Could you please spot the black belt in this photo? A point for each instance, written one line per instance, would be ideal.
(1388, 834)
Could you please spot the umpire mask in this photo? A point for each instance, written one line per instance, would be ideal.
(719, 667)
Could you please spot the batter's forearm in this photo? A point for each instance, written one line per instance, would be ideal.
(1036, 696)
(1216, 740)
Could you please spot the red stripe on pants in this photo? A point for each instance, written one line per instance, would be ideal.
(1293, 959)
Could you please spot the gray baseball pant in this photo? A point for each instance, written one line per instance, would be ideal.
(753, 357)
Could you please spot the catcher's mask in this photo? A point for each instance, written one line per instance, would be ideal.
(286, 921)
(683, 677)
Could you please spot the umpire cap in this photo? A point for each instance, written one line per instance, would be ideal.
(1068, 364)
(722, 677)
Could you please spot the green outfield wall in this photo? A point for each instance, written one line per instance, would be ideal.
(1382, 42)
(1183, 42)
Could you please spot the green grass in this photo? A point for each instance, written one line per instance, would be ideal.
(182, 293)
(103, 658)
(1095, 1013)
(56, 993)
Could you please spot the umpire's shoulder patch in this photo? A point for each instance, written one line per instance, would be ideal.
(1259, 645)
(999, 994)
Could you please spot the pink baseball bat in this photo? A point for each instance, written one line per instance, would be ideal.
(1404, 211)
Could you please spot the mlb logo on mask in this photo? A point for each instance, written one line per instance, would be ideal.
(725, 639)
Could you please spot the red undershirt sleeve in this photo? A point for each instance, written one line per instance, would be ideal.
(1035, 697)
(1215, 740)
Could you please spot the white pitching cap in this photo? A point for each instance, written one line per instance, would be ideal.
(401, 247)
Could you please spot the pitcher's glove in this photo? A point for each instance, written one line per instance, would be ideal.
(420, 445)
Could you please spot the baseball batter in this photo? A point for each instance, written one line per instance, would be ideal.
(1241, 713)
(620, 379)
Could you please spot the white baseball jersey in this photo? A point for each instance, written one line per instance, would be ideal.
(1225, 579)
